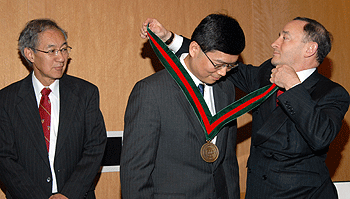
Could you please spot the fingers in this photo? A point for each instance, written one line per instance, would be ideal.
(156, 27)
(272, 79)
(143, 33)
(284, 76)
(143, 30)
(275, 74)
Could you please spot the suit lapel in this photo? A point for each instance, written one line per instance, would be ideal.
(29, 113)
(186, 106)
(68, 104)
(277, 117)
(221, 101)
(270, 127)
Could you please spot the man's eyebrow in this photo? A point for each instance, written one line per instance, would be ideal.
(283, 32)
(64, 44)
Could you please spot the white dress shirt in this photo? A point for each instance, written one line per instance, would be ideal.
(304, 74)
(55, 109)
(176, 44)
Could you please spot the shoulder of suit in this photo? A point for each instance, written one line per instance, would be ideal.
(14, 87)
(160, 76)
(225, 84)
(76, 81)
(330, 85)
(78, 86)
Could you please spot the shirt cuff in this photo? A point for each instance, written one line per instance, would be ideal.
(176, 44)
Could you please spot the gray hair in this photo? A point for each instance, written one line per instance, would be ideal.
(29, 36)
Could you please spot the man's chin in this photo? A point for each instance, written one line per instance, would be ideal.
(274, 62)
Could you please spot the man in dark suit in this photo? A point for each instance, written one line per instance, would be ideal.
(163, 137)
(290, 140)
(64, 162)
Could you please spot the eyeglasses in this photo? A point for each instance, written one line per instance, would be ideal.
(54, 52)
(223, 65)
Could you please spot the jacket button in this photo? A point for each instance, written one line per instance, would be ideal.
(264, 177)
(48, 179)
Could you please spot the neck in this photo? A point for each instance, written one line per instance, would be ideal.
(306, 65)
(188, 62)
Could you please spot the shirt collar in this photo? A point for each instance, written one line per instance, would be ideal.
(38, 86)
(304, 74)
(194, 78)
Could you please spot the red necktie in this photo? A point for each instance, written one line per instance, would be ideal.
(45, 114)
(279, 92)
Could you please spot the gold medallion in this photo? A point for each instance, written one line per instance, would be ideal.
(209, 152)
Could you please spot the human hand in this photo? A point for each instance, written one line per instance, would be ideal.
(284, 76)
(156, 27)
(58, 196)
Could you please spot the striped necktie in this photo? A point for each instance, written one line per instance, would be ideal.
(45, 114)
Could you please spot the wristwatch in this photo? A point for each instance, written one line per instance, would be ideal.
(170, 39)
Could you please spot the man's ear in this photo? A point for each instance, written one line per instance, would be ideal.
(29, 53)
(311, 49)
(194, 49)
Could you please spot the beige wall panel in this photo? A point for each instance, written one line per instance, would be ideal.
(11, 22)
(108, 186)
(108, 51)
(336, 18)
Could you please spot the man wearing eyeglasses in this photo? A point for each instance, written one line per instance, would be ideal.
(52, 132)
(163, 137)
(290, 137)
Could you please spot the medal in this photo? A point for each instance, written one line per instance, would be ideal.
(209, 152)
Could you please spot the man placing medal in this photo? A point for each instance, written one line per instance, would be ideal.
(167, 152)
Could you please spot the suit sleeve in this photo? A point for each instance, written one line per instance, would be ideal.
(16, 179)
(140, 143)
(248, 78)
(82, 178)
(184, 47)
(318, 121)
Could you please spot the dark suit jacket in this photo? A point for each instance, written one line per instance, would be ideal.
(162, 141)
(290, 142)
(24, 164)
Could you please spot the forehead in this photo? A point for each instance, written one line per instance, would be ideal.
(295, 27)
(51, 38)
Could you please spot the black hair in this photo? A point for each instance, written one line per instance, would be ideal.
(316, 32)
(219, 32)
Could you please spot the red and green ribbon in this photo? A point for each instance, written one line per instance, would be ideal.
(211, 124)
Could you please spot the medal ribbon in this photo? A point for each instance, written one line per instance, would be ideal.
(211, 124)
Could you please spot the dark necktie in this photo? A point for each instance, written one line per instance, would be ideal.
(201, 88)
(45, 114)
